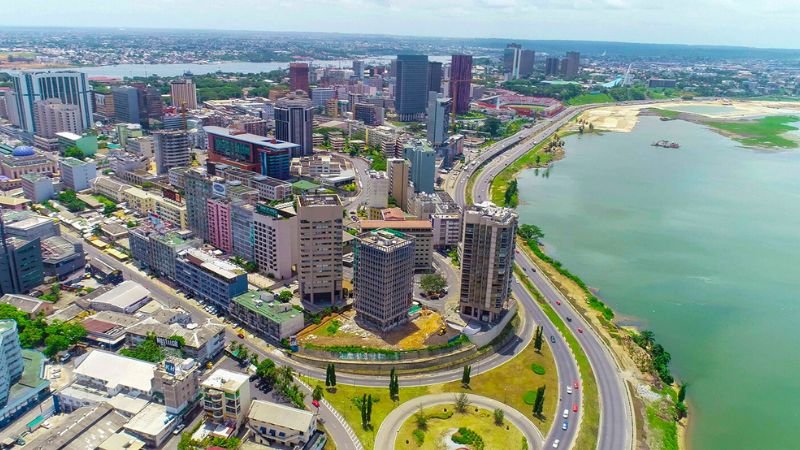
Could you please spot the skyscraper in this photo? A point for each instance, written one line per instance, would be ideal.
(435, 77)
(573, 65)
(383, 273)
(397, 170)
(298, 77)
(11, 363)
(438, 119)
(172, 150)
(126, 104)
(183, 93)
(197, 191)
(551, 66)
(460, 82)
(511, 60)
(526, 63)
(411, 87)
(294, 122)
(358, 69)
(487, 261)
(423, 165)
(70, 86)
(53, 116)
(319, 267)
(275, 232)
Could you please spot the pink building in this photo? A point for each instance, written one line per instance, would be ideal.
(219, 224)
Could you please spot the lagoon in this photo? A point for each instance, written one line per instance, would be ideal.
(699, 244)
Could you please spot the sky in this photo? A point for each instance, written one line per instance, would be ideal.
(762, 23)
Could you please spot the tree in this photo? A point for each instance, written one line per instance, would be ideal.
(369, 409)
(74, 152)
(394, 385)
(647, 339)
(328, 375)
(510, 197)
(538, 404)
(681, 410)
(363, 406)
(285, 296)
(491, 126)
(682, 393)
(316, 394)
(421, 419)
(465, 377)
(462, 402)
(333, 375)
(265, 370)
(528, 232)
(537, 339)
(499, 415)
(285, 376)
(432, 282)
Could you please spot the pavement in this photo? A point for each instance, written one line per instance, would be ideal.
(390, 427)
(616, 417)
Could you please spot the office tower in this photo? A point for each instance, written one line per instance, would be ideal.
(294, 122)
(398, 171)
(275, 237)
(320, 96)
(54, 116)
(526, 62)
(30, 86)
(76, 174)
(511, 60)
(21, 265)
(358, 69)
(460, 82)
(435, 77)
(126, 104)
(153, 104)
(573, 64)
(11, 363)
(383, 275)
(264, 155)
(411, 87)
(298, 77)
(551, 66)
(368, 113)
(183, 93)
(172, 150)
(423, 165)
(439, 119)
(487, 260)
(196, 193)
(319, 267)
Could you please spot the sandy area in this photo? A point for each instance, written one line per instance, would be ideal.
(624, 118)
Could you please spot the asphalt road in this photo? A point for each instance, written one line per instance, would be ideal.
(616, 419)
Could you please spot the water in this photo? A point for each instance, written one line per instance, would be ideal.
(700, 245)
(172, 70)
(704, 109)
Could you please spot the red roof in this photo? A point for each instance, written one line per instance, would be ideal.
(97, 326)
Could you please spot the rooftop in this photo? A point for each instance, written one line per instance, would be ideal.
(211, 263)
(74, 162)
(395, 224)
(69, 135)
(195, 338)
(56, 248)
(281, 415)
(26, 303)
(263, 141)
(225, 380)
(320, 200)
(116, 370)
(385, 239)
(123, 295)
(101, 420)
(151, 420)
(263, 303)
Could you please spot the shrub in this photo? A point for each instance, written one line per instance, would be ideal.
(529, 398)
(537, 369)
(419, 436)
(444, 415)
(465, 436)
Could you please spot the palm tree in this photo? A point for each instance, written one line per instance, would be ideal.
(648, 338)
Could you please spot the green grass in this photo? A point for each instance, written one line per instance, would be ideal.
(764, 132)
(590, 425)
(588, 99)
(481, 422)
(529, 398)
(664, 432)
(668, 113)
(499, 184)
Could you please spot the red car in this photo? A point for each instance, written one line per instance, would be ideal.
(574, 407)
(558, 302)
(580, 330)
(575, 385)
(240, 335)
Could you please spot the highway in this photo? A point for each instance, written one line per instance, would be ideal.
(616, 417)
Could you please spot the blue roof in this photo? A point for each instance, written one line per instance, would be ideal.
(23, 150)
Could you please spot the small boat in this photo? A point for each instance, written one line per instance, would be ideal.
(666, 144)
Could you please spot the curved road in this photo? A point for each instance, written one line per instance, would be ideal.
(387, 433)
(616, 418)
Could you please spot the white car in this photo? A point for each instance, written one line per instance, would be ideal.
(555, 443)
(569, 389)
(566, 414)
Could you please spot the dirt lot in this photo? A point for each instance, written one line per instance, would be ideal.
(344, 330)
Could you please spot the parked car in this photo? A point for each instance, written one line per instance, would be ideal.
(178, 429)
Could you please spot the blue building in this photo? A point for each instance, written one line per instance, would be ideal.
(265, 155)
(21, 384)
(210, 278)
(423, 165)
(70, 86)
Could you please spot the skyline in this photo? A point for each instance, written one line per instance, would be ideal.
(681, 23)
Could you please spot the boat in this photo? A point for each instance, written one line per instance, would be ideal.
(666, 144)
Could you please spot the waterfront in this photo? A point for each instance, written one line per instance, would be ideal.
(698, 244)
(172, 70)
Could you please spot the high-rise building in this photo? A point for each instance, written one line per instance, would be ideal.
(435, 77)
(377, 190)
(294, 122)
(460, 82)
(383, 274)
(172, 150)
(398, 170)
(511, 59)
(423, 165)
(526, 62)
(196, 193)
(11, 363)
(321, 95)
(153, 104)
(275, 232)
(358, 69)
(76, 174)
(21, 265)
(183, 93)
(30, 86)
(53, 116)
(487, 261)
(298, 77)
(411, 87)
(438, 119)
(368, 113)
(264, 155)
(572, 66)
(126, 104)
(319, 267)
(551, 66)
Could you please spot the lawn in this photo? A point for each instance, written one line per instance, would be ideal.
(481, 422)
(590, 424)
(588, 99)
(668, 113)
(764, 132)
(665, 432)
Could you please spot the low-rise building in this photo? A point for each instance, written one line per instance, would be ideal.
(262, 313)
(178, 382)
(226, 398)
(209, 278)
(273, 423)
(201, 342)
(87, 427)
(153, 425)
(61, 257)
(76, 174)
(30, 305)
(102, 334)
(107, 374)
(37, 187)
(110, 188)
(125, 297)
(28, 225)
